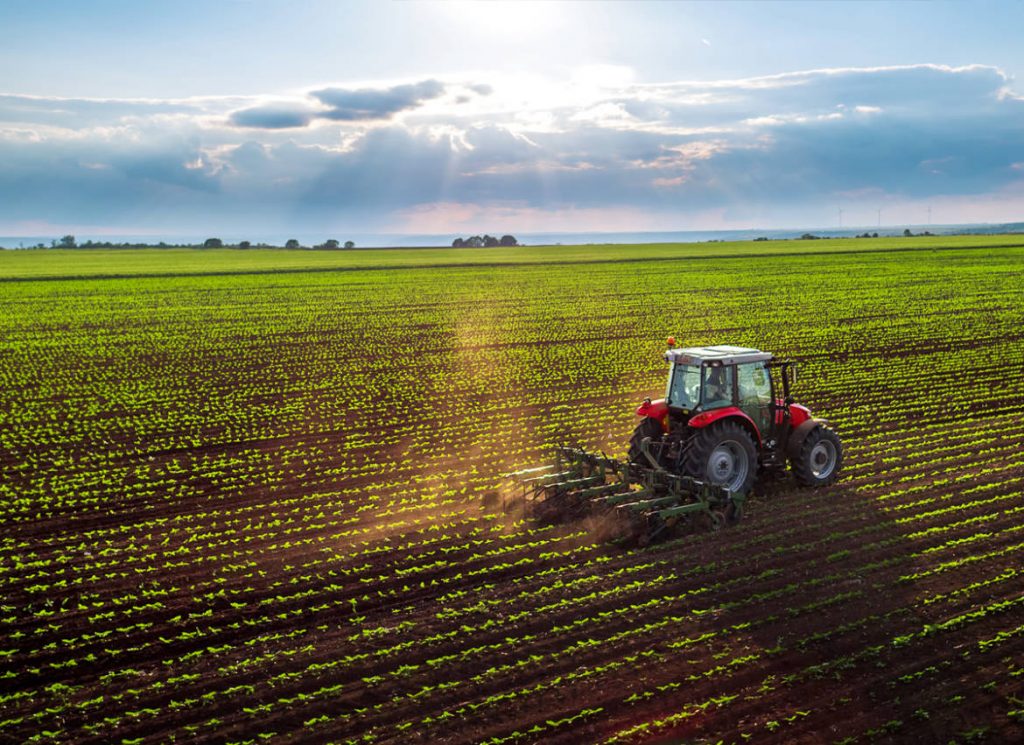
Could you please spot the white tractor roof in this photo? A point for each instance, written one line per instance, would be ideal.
(721, 354)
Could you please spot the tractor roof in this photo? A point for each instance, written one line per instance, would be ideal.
(721, 354)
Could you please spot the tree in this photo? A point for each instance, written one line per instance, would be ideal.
(331, 243)
(458, 243)
(490, 241)
(907, 233)
(244, 244)
(213, 243)
(291, 243)
(68, 241)
(508, 240)
(349, 244)
(474, 241)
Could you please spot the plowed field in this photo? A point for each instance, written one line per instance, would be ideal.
(239, 505)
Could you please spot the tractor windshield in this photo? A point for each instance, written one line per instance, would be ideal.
(684, 386)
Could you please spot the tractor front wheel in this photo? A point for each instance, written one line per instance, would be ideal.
(723, 454)
(648, 427)
(819, 459)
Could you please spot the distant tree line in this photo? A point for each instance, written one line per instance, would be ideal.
(811, 237)
(69, 241)
(331, 244)
(485, 241)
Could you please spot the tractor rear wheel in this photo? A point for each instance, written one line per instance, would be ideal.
(648, 427)
(819, 459)
(724, 454)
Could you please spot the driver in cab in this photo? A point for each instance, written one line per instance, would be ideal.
(717, 391)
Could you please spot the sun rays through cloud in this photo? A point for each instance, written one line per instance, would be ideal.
(598, 141)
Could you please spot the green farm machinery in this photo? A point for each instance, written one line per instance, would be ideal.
(727, 417)
(643, 502)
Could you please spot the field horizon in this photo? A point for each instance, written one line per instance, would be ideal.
(526, 238)
(114, 263)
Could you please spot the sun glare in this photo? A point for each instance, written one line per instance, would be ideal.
(502, 17)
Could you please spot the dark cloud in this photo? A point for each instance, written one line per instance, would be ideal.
(106, 182)
(271, 117)
(366, 104)
(342, 105)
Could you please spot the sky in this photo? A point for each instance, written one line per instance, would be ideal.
(250, 118)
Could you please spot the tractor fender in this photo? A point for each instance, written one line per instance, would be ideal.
(706, 418)
(798, 435)
(798, 414)
(655, 409)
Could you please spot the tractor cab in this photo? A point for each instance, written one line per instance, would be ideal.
(702, 380)
(705, 378)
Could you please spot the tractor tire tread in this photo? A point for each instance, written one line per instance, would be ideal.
(648, 427)
(707, 439)
(801, 465)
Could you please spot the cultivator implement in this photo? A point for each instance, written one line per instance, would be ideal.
(646, 503)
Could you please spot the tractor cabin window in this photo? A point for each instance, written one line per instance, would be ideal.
(755, 386)
(684, 387)
(718, 387)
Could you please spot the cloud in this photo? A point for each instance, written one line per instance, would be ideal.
(347, 105)
(84, 112)
(271, 117)
(769, 150)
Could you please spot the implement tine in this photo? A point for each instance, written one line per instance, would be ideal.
(575, 484)
(646, 501)
(527, 471)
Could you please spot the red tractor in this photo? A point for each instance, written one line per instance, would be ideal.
(728, 415)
